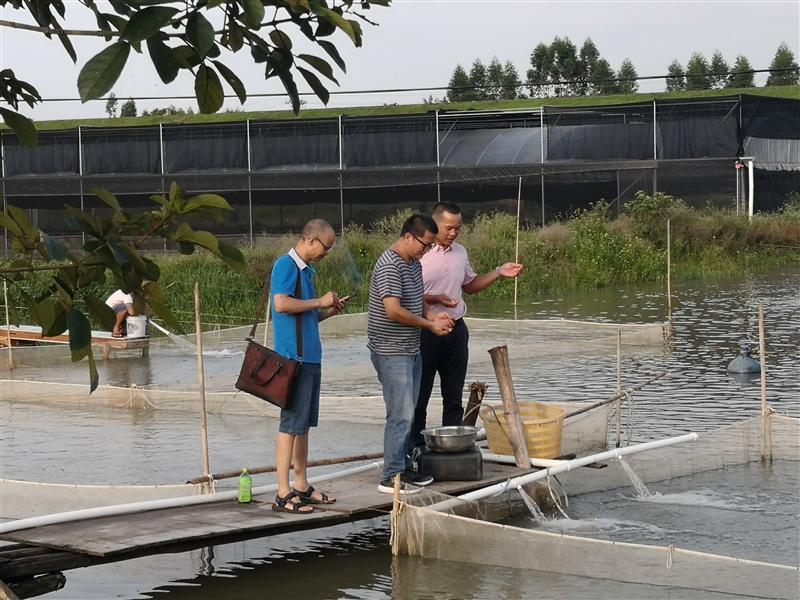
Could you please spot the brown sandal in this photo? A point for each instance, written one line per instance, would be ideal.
(289, 505)
(308, 498)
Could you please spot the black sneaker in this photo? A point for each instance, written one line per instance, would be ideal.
(418, 478)
(386, 485)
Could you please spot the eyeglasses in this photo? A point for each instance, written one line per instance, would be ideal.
(327, 248)
(427, 246)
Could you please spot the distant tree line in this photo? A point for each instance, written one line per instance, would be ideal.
(561, 69)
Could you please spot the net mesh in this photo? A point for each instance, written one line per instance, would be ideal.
(434, 525)
(350, 391)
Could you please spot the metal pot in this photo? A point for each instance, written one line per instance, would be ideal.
(457, 438)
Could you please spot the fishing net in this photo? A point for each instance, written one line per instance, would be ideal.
(167, 379)
(433, 525)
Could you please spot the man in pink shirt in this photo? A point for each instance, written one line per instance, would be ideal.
(447, 274)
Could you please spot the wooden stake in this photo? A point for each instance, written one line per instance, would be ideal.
(202, 378)
(766, 445)
(266, 321)
(395, 515)
(514, 426)
(516, 242)
(8, 327)
(619, 387)
(669, 270)
(477, 390)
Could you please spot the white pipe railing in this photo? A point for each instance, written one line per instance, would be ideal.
(135, 507)
(568, 465)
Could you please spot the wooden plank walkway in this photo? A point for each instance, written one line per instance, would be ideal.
(184, 528)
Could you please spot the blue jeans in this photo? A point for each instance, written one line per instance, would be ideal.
(399, 377)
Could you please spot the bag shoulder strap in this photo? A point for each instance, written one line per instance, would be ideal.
(298, 290)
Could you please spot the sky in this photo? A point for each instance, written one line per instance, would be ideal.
(419, 42)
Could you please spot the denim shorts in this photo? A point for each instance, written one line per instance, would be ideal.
(303, 412)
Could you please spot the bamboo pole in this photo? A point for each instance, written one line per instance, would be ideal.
(395, 541)
(8, 327)
(622, 394)
(272, 468)
(619, 388)
(202, 379)
(669, 269)
(766, 432)
(266, 321)
(516, 431)
(516, 241)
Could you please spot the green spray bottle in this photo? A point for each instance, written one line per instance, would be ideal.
(245, 487)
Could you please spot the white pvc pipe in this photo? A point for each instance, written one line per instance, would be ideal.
(573, 464)
(135, 507)
(509, 460)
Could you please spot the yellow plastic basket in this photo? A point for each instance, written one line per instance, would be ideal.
(542, 424)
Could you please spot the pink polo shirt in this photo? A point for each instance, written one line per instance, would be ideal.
(444, 271)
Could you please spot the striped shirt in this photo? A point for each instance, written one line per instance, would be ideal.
(394, 277)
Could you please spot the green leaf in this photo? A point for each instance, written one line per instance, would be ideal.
(213, 3)
(165, 313)
(235, 37)
(147, 22)
(107, 197)
(22, 126)
(164, 59)
(206, 201)
(253, 13)
(120, 6)
(94, 379)
(186, 56)
(333, 53)
(319, 64)
(100, 74)
(208, 90)
(151, 271)
(84, 221)
(233, 81)
(55, 248)
(280, 39)
(80, 334)
(200, 33)
(231, 255)
(186, 248)
(316, 85)
(339, 21)
(102, 313)
(20, 217)
(9, 224)
(51, 316)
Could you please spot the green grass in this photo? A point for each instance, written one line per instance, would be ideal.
(792, 92)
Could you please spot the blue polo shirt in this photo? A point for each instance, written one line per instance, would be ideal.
(284, 281)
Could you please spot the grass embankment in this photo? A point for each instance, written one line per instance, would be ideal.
(586, 252)
(789, 91)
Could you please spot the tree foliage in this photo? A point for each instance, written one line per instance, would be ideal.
(541, 61)
(676, 79)
(718, 68)
(458, 89)
(113, 248)
(192, 36)
(697, 73)
(477, 81)
(627, 75)
(739, 76)
(128, 108)
(783, 68)
(603, 78)
(112, 105)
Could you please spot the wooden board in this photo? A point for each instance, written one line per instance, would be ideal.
(222, 522)
(29, 333)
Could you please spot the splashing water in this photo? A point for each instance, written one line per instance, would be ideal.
(182, 343)
(536, 512)
(638, 484)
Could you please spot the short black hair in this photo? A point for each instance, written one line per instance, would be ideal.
(418, 223)
(442, 207)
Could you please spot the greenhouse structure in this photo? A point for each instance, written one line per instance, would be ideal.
(741, 152)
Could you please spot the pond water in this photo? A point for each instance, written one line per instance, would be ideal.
(710, 318)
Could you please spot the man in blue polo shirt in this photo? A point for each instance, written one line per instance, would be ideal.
(316, 240)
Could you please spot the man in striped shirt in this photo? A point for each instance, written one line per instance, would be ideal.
(397, 313)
